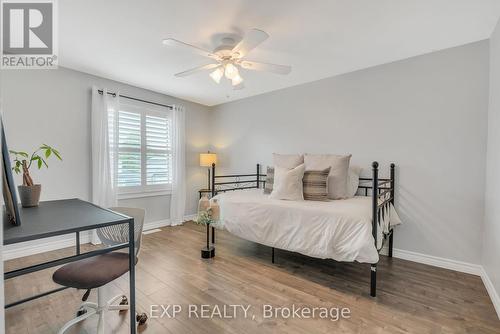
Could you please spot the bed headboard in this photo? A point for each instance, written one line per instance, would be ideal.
(382, 189)
(223, 183)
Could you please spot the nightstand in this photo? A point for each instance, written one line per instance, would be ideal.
(208, 192)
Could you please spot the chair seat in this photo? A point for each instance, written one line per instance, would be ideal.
(92, 272)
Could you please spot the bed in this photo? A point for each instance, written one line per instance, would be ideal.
(337, 229)
(353, 229)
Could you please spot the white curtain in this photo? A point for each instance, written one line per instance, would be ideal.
(104, 150)
(178, 199)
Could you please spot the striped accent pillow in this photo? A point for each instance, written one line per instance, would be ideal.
(269, 180)
(315, 185)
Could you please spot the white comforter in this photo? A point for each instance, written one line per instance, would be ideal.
(339, 229)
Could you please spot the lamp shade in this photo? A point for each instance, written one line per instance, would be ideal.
(207, 159)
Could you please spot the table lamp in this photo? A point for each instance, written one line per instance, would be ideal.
(206, 160)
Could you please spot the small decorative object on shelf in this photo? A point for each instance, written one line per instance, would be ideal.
(208, 216)
(29, 192)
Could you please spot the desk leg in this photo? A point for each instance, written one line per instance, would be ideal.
(131, 262)
(78, 243)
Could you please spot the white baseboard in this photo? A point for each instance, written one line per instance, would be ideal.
(494, 295)
(460, 266)
(464, 267)
(166, 222)
(156, 224)
(27, 248)
(190, 217)
(22, 249)
(155, 230)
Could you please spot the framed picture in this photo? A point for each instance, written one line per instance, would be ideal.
(11, 208)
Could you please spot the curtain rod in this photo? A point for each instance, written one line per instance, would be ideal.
(136, 99)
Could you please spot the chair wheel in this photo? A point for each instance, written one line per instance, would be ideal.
(81, 311)
(141, 318)
(124, 301)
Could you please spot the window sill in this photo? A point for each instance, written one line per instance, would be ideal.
(144, 194)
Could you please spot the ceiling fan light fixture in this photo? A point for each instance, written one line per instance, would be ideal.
(217, 75)
(231, 71)
(236, 80)
(229, 57)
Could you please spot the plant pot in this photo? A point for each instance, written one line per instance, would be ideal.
(30, 195)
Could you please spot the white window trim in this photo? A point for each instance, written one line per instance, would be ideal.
(129, 193)
(144, 109)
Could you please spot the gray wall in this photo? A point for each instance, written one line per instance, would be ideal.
(53, 107)
(427, 114)
(491, 245)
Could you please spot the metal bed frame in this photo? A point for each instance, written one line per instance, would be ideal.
(382, 191)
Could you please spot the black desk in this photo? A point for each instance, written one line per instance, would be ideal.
(53, 218)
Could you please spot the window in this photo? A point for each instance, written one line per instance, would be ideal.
(144, 149)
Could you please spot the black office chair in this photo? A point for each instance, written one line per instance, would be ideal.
(95, 272)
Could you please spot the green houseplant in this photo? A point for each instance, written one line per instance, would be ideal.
(29, 192)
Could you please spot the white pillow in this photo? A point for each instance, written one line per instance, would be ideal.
(337, 179)
(353, 180)
(287, 161)
(288, 183)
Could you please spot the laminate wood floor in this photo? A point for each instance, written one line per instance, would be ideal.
(412, 298)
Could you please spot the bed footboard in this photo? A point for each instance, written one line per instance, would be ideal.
(382, 198)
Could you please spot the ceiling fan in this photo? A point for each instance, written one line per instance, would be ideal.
(228, 58)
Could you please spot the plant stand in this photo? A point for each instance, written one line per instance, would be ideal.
(208, 251)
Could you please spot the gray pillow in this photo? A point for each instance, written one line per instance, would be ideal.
(288, 161)
(315, 183)
(269, 180)
(353, 181)
(337, 180)
(288, 184)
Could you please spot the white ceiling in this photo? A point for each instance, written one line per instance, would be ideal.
(121, 39)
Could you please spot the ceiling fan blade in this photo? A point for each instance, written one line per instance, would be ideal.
(251, 40)
(195, 49)
(274, 68)
(197, 69)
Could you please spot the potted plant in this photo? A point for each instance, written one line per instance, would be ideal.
(29, 192)
(205, 217)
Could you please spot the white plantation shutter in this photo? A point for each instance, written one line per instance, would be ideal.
(144, 136)
(129, 149)
(158, 150)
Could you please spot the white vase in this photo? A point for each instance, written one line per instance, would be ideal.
(215, 210)
(203, 204)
